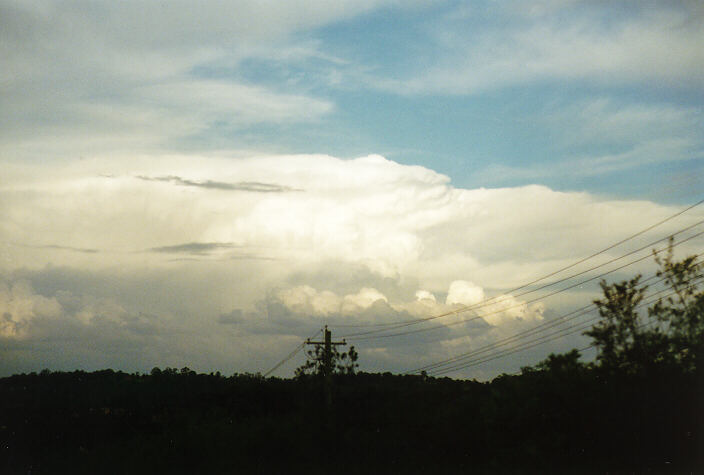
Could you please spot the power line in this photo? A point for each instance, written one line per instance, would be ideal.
(580, 261)
(527, 333)
(572, 329)
(370, 335)
(511, 351)
(290, 355)
(502, 298)
(526, 346)
(536, 329)
(474, 359)
(580, 350)
(285, 360)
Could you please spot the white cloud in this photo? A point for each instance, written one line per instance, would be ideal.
(19, 305)
(604, 135)
(591, 41)
(425, 296)
(643, 134)
(85, 77)
(464, 293)
(650, 152)
(344, 241)
(307, 300)
(465, 302)
(369, 210)
(211, 100)
(363, 299)
(25, 312)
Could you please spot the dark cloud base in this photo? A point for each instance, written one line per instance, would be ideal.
(195, 248)
(250, 186)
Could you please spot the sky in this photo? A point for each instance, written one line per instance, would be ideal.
(205, 184)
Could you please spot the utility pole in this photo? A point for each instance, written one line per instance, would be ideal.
(327, 362)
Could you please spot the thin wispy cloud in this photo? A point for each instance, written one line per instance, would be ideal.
(62, 248)
(211, 251)
(510, 44)
(197, 248)
(255, 187)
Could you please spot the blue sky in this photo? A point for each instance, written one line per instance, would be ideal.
(427, 85)
(178, 176)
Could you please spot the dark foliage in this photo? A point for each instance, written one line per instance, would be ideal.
(559, 416)
(340, 362)
(668, 337)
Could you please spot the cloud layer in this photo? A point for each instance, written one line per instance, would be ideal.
(367, 241)
(510, 43)
(95, 76)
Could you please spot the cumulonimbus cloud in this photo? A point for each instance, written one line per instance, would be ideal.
(370, 241)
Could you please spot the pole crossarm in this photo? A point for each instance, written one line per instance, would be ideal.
(327, 362)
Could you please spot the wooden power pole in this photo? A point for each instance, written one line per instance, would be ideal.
(327, 366)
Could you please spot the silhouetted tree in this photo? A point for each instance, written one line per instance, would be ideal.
(619, 335)
(683, 312)
(672, 335)
(563, 364)
(341, 363)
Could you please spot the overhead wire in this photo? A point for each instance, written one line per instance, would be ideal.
(487, 348)
(580, 261)
(574, 314)
(526, 346)
(561, 333)
(373, 334)
(437, 368)
(511, 351)
(508, 296)
(642, 325)
(291, 355)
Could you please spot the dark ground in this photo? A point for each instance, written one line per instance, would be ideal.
(182, 422)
